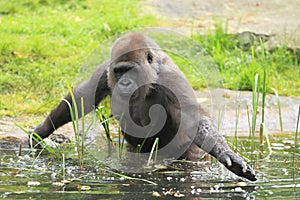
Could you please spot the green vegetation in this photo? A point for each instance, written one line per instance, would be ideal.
(238, 64)
(43, 44)
(80, 130)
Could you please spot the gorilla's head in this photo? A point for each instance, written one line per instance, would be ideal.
(134, 66)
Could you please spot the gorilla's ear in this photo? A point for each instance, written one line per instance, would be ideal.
(164, 59)
(149, 57)
(111, 79)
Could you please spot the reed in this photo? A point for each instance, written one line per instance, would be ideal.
(266, 135)
(103, 115)
(296, 133)
(36, 141)
(261, 128)
(295, 160)
(237, 113)
(221, 111)
(121, 138)
(249, 120)
(64, 166)
(279, 109)
(255, 100)
(154, 148)
(129, 177)
(79, 134)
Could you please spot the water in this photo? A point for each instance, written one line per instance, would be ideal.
(47, 177)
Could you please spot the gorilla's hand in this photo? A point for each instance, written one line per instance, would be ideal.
(237, 165)
(33, 138)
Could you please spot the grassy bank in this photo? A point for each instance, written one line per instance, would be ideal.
(43, 44)
(239, 57)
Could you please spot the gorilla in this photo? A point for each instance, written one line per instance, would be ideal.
(153, 101)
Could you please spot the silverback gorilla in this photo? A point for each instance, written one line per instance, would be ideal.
(152, 99)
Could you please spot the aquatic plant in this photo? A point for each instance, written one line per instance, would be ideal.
(79, 133)
(103, 115)
(279, 109)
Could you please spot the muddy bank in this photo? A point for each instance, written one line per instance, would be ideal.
(279, 19)
(219, 102)
(223, 104)
(270, 17)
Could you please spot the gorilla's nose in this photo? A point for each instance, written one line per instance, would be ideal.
(126, 82)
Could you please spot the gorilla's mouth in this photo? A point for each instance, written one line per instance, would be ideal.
(125, 94)
(129, 93)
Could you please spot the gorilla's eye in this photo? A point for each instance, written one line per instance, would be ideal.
(122, 70)
(119, 71)
(149, 58)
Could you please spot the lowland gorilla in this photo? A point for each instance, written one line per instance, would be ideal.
(153, 99)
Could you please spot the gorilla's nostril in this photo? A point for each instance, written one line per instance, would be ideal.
(126, 82)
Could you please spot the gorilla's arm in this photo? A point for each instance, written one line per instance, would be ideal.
(211, 141)
(92, 91)
(207, 136)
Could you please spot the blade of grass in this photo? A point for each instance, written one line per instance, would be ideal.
(297, 126)
(296, 144)
(82, 134)
(154, 146)
(64, 166)
(121, 143)
(74, 120)
(130, 178)
(249, 121)
(220, 116)
(255, 98)
(237, 113)
(279, 109)
(261, 129)
(104, 118)
(79, 139)
(39, 141)
(266, 134)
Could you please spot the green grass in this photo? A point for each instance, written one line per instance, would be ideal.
(279, 109)
(79, 129)
(238, 66)
(43, 44)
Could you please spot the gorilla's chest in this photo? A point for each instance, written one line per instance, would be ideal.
(140, 112)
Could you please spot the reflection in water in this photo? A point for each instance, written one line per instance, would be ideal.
(278, 177)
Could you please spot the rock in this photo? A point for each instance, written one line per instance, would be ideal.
(11, 136)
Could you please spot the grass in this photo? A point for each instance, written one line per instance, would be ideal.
(103, 115)
(43, 44)
(255, 100)
(80, 130)
(153, 150)
(237, 114)
(279, 109)
(237, 66)
(294, 150)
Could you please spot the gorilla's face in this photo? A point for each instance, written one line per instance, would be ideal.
(132, 74)
(125, 75)
(134, 66)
